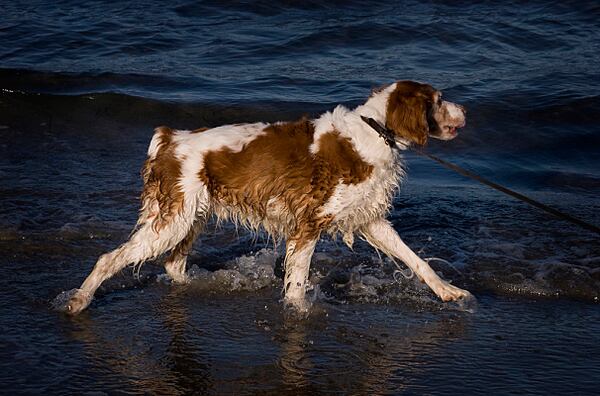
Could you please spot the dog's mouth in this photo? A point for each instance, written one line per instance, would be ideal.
(448, 131)
(451, 130)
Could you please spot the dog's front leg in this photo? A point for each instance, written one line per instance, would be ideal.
(381, 235)
(297, 264)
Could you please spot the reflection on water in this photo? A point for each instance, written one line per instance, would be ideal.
(179, 340)
(169, 350)
(375, 359)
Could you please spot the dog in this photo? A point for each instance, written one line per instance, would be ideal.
(335, 174)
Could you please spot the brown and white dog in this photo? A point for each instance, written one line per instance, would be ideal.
(296, 180)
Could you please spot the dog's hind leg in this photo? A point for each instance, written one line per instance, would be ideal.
(171, 205)
(147, 242)
(175, 264)
(381, 235)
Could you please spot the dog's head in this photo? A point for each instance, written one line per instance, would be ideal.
(416, 111)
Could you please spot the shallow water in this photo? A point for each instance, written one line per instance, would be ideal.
(82, 90)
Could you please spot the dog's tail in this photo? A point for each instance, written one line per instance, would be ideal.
(161, 138)
(162, 197)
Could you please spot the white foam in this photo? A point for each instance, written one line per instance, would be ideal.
(250, 272)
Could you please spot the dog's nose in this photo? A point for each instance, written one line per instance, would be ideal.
(463, 109)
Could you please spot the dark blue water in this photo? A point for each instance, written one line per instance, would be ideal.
(83, 85)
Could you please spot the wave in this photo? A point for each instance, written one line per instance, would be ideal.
(125, 109)
(505, 106)
(85, 83)
(541, 97)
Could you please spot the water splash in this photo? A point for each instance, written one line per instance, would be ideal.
(250, 272)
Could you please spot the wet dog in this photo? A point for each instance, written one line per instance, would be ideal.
(295, 180)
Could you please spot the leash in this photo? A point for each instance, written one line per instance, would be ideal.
(388, 136)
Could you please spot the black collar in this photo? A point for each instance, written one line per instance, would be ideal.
(386, 134)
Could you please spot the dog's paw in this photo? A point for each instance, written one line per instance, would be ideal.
(297, 307)
(447, 292)
(179, 279)
(72, 302)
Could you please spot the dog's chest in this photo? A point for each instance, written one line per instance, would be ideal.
(353, 205)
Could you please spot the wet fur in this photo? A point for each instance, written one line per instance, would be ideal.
(295, 180)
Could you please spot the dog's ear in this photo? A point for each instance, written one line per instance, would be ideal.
(406, 112)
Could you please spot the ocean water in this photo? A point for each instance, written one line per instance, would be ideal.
(83, 85)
